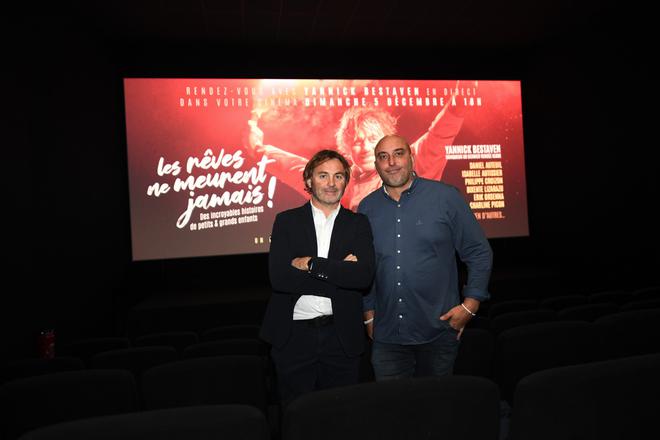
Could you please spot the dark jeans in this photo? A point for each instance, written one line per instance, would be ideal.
(396, 361)
(313, 359)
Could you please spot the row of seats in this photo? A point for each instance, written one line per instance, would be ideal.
(604, 400)
(202, 422)
(624, 300)
(180, 340)
(609, 336)
(42, 400)
(502, 354)
(517, 352)
(191, 311)
(593, 401)
(200, 318)
(505, 358)
(134, 359)
(614, 399)
(512, 314)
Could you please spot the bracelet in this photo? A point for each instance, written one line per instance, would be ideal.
(468, 310)
(368, 321)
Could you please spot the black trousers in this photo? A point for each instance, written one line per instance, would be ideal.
(313, 359)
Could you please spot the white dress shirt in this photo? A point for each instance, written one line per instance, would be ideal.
(311, 306)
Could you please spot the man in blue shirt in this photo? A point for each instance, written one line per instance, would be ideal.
(414, 312)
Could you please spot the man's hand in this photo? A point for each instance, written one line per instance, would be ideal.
(300, 263)
(458, 319)
(350, 257)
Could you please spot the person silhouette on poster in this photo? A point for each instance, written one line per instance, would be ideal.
(360, 128)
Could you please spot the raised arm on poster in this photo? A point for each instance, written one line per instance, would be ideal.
(360, 128)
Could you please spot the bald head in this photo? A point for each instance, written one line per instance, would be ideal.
(394, 161)
(392, 139)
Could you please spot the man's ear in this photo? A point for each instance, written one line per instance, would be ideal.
(308, 183)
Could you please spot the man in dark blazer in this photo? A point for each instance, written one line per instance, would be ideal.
(321, 263)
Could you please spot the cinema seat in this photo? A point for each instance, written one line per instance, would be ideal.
(21, 368)
(177, 339)
(85, 349)
(462, 407)
(510, 320)
(629, 333)
(230, 332)
(563, 301)
(513, 305)
(191, 423)
(587, 312)
(607, 400)
(527, 349)
(475, 353)
(135, 359)
(206, 381)
(33, 402)
(243, 346)
(618, 297)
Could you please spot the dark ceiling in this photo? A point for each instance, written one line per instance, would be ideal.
(335, 38)
(384, 23)
(341, 21)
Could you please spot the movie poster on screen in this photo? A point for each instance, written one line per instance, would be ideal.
(212, 161)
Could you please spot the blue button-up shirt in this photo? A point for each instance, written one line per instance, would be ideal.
(416, 240)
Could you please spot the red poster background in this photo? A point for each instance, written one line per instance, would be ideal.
(456, 129)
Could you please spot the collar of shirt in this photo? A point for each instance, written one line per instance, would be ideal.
(319, 216)
(323, 226)
(411, 186)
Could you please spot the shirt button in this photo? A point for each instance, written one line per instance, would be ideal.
(398, 220)
(398, 283)
(398, 251)
(398, 235)
(398, 267)
(398, 206)
(400, 316)
(400, 300)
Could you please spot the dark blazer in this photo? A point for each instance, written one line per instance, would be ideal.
(344, 282)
